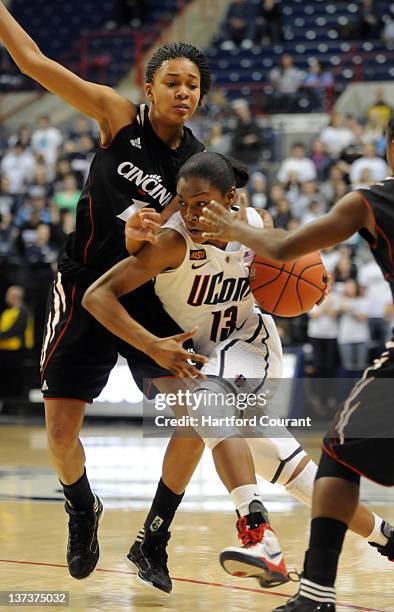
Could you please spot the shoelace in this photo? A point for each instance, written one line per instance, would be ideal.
(250, 537)
(80, 528)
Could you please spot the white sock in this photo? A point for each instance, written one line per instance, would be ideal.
(316, 592)
(301, 487)
(377, 536)
(243, 496)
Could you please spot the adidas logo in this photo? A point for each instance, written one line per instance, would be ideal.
(136, 143)
(44, 386)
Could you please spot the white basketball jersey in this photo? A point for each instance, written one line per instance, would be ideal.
(210, 289)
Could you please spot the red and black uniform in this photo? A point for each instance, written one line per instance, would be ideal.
(362, 437)
(137, 169)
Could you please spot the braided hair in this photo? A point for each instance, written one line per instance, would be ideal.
(175, 50)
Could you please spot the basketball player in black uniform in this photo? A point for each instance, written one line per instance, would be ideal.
(361, 441)
(135, 167)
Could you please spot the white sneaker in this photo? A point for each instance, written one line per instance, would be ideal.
(260, 555)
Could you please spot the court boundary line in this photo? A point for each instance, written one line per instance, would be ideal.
(190, 581)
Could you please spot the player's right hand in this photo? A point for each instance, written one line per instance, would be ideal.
(170, 354)
(143, 226)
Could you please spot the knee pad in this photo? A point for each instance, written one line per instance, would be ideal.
(328, 467)
(301, 487)
(210, 402)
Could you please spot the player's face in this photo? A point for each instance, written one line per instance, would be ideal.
(175, 91)
(194, 193)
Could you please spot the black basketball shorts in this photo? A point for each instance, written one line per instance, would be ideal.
(362, 435)
(78, 353)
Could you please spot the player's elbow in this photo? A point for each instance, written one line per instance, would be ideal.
(30, 61)
(90, 299)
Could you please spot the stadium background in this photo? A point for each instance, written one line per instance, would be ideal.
(302, 91)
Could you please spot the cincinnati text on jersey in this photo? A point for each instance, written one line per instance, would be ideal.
(151, 184)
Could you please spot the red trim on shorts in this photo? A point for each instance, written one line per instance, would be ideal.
(70, 399)
(85, 253)
(333, 455)
(61, 334)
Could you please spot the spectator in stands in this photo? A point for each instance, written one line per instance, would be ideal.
(46, 141)
(41, 180)
(313, 212)
(322, 332)
(380, 109)
(8, 201)
(23, 136)
(298, 164)
(321, 159)
(286, 80)
(344, 270)
(378, 296)
(267, 23)
(373, 129)
(282, 213)
(16, 335)
(63, 169)
(276, 193)
(82, 157)
(309, 193)
(370, 23)
(247, 138)
(366, 179)
(18, 166)
(327, 188)
(258, 190)
(319, 83)
(40, 258)
(34, 204)
(378, 168)
(353, 331)
(83, 127)
(336, 136)
(388, 29)
(238, 21)
(217, 140)
(68, 197)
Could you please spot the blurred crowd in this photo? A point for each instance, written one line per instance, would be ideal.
(43, 170)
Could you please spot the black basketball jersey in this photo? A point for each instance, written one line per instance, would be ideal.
(137, 169)
(380, 200)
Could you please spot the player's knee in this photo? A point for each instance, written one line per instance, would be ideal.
(329, 468)
(61, 437)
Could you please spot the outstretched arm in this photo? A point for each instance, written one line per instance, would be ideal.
(348, 216)
(102, 103)
(101, 300)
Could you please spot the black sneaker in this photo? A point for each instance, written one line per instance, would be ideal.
(83, 548)
(149, 555)
(298, 603)
(388, 549)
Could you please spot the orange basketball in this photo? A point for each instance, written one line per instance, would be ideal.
(288, 289)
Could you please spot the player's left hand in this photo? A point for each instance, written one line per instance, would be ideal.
(143, 226)
(220, 222)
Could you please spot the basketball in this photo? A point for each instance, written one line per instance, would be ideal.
(288, 289)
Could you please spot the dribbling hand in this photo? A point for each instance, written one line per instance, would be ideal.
(170, 354)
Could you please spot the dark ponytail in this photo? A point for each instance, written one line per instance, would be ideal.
(220, 171)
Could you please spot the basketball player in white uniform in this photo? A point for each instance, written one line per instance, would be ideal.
(207, 285)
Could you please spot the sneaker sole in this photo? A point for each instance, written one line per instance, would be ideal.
(242, 566)
(134, 566)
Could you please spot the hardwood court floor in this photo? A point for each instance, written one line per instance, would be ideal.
(124, 469)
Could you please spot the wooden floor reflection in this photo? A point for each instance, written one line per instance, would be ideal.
(124, 469)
